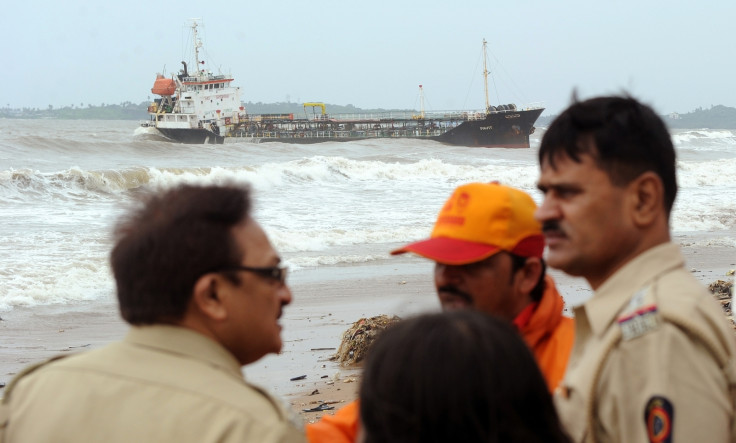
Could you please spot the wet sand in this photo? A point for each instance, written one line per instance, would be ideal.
(327, 301)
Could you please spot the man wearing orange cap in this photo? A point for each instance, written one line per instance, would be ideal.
(488, 252)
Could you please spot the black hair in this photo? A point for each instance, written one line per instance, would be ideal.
(455, 376)
(625, 137)
(171, 240)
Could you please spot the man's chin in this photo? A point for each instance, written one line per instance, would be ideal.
(455, 305)
(557, 259)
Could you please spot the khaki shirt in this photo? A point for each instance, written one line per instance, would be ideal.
(161, 384)
(653, 359)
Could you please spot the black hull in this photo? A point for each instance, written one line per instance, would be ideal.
(498, 130)
(192, 136)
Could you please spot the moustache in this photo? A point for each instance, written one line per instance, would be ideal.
(551, 226)
(449, 289)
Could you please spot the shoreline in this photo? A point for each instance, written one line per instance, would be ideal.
(327, 300)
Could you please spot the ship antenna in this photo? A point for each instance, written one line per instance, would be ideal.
(485, 75)
(421, 101)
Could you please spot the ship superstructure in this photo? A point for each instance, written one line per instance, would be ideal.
(197, 106)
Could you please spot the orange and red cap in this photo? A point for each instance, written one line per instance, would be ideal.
(478, 221)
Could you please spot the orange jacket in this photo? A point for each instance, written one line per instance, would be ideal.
(548, 333)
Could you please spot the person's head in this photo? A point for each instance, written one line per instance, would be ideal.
(181, 258)
(608, 175)
(455, 376)
(487, 249)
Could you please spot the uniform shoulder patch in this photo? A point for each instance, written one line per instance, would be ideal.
(659, 418)
(639, 316)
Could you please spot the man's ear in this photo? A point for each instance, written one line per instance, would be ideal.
(528, 276)
(205, 298)
(647, 198)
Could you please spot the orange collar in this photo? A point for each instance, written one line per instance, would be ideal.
(525, 315)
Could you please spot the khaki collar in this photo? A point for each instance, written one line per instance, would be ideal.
(615, 292)
(186, 342)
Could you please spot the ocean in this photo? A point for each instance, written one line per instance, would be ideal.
(64, 183)
(332, 210)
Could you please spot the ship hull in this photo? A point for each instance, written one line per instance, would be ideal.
(505, 129)
(499, 130)
(192, 136)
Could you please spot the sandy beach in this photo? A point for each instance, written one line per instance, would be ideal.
(327, 300)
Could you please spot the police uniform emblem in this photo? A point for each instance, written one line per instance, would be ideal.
(658, 417)
(639, 317)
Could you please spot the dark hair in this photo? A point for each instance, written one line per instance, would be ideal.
(171, 240)
(626, 138)
(455, 376)
(518, 262)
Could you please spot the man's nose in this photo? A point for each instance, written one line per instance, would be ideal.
(285, 295)
(445, 274)
(548, 210)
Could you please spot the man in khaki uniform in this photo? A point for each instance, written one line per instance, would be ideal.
(202, 287)
(653, 359)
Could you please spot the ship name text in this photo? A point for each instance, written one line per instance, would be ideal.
(486, 128)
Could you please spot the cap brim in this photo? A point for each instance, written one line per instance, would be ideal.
(449, 251)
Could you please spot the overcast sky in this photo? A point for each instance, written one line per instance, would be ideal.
(675, 55)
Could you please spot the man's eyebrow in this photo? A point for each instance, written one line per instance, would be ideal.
(544, 187)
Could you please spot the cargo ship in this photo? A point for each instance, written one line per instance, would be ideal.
(201, 107)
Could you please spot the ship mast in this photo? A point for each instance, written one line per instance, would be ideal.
(197, 44)
(485, 75)
(421, 101)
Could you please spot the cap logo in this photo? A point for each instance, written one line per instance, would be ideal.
(463, 200)
(450, 220)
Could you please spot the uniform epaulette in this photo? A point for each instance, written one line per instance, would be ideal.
(5, 401)
(27, 371)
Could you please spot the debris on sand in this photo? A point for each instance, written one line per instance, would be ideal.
(358, 338)
(721, 291)
(320, 408)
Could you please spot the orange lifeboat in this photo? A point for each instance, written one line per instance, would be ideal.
(163, 85)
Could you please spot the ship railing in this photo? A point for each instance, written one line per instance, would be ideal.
(402, 115)
(205, 77)
(365, 133)
(534, 105)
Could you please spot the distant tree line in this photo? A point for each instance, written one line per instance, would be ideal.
(716, 117)
(131, 111)
(123, 111)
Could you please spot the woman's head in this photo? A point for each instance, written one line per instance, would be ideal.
(455, 376)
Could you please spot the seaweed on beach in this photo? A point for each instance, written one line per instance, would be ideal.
(358, 338)
(721, 291)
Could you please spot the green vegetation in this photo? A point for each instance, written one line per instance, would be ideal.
(717, 117)
(131, 111)
(123, 111)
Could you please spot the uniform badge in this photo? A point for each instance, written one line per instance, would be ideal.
(638, 318)
(639, 322)
(658, 417)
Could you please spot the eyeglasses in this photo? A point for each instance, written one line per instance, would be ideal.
(275, 273)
